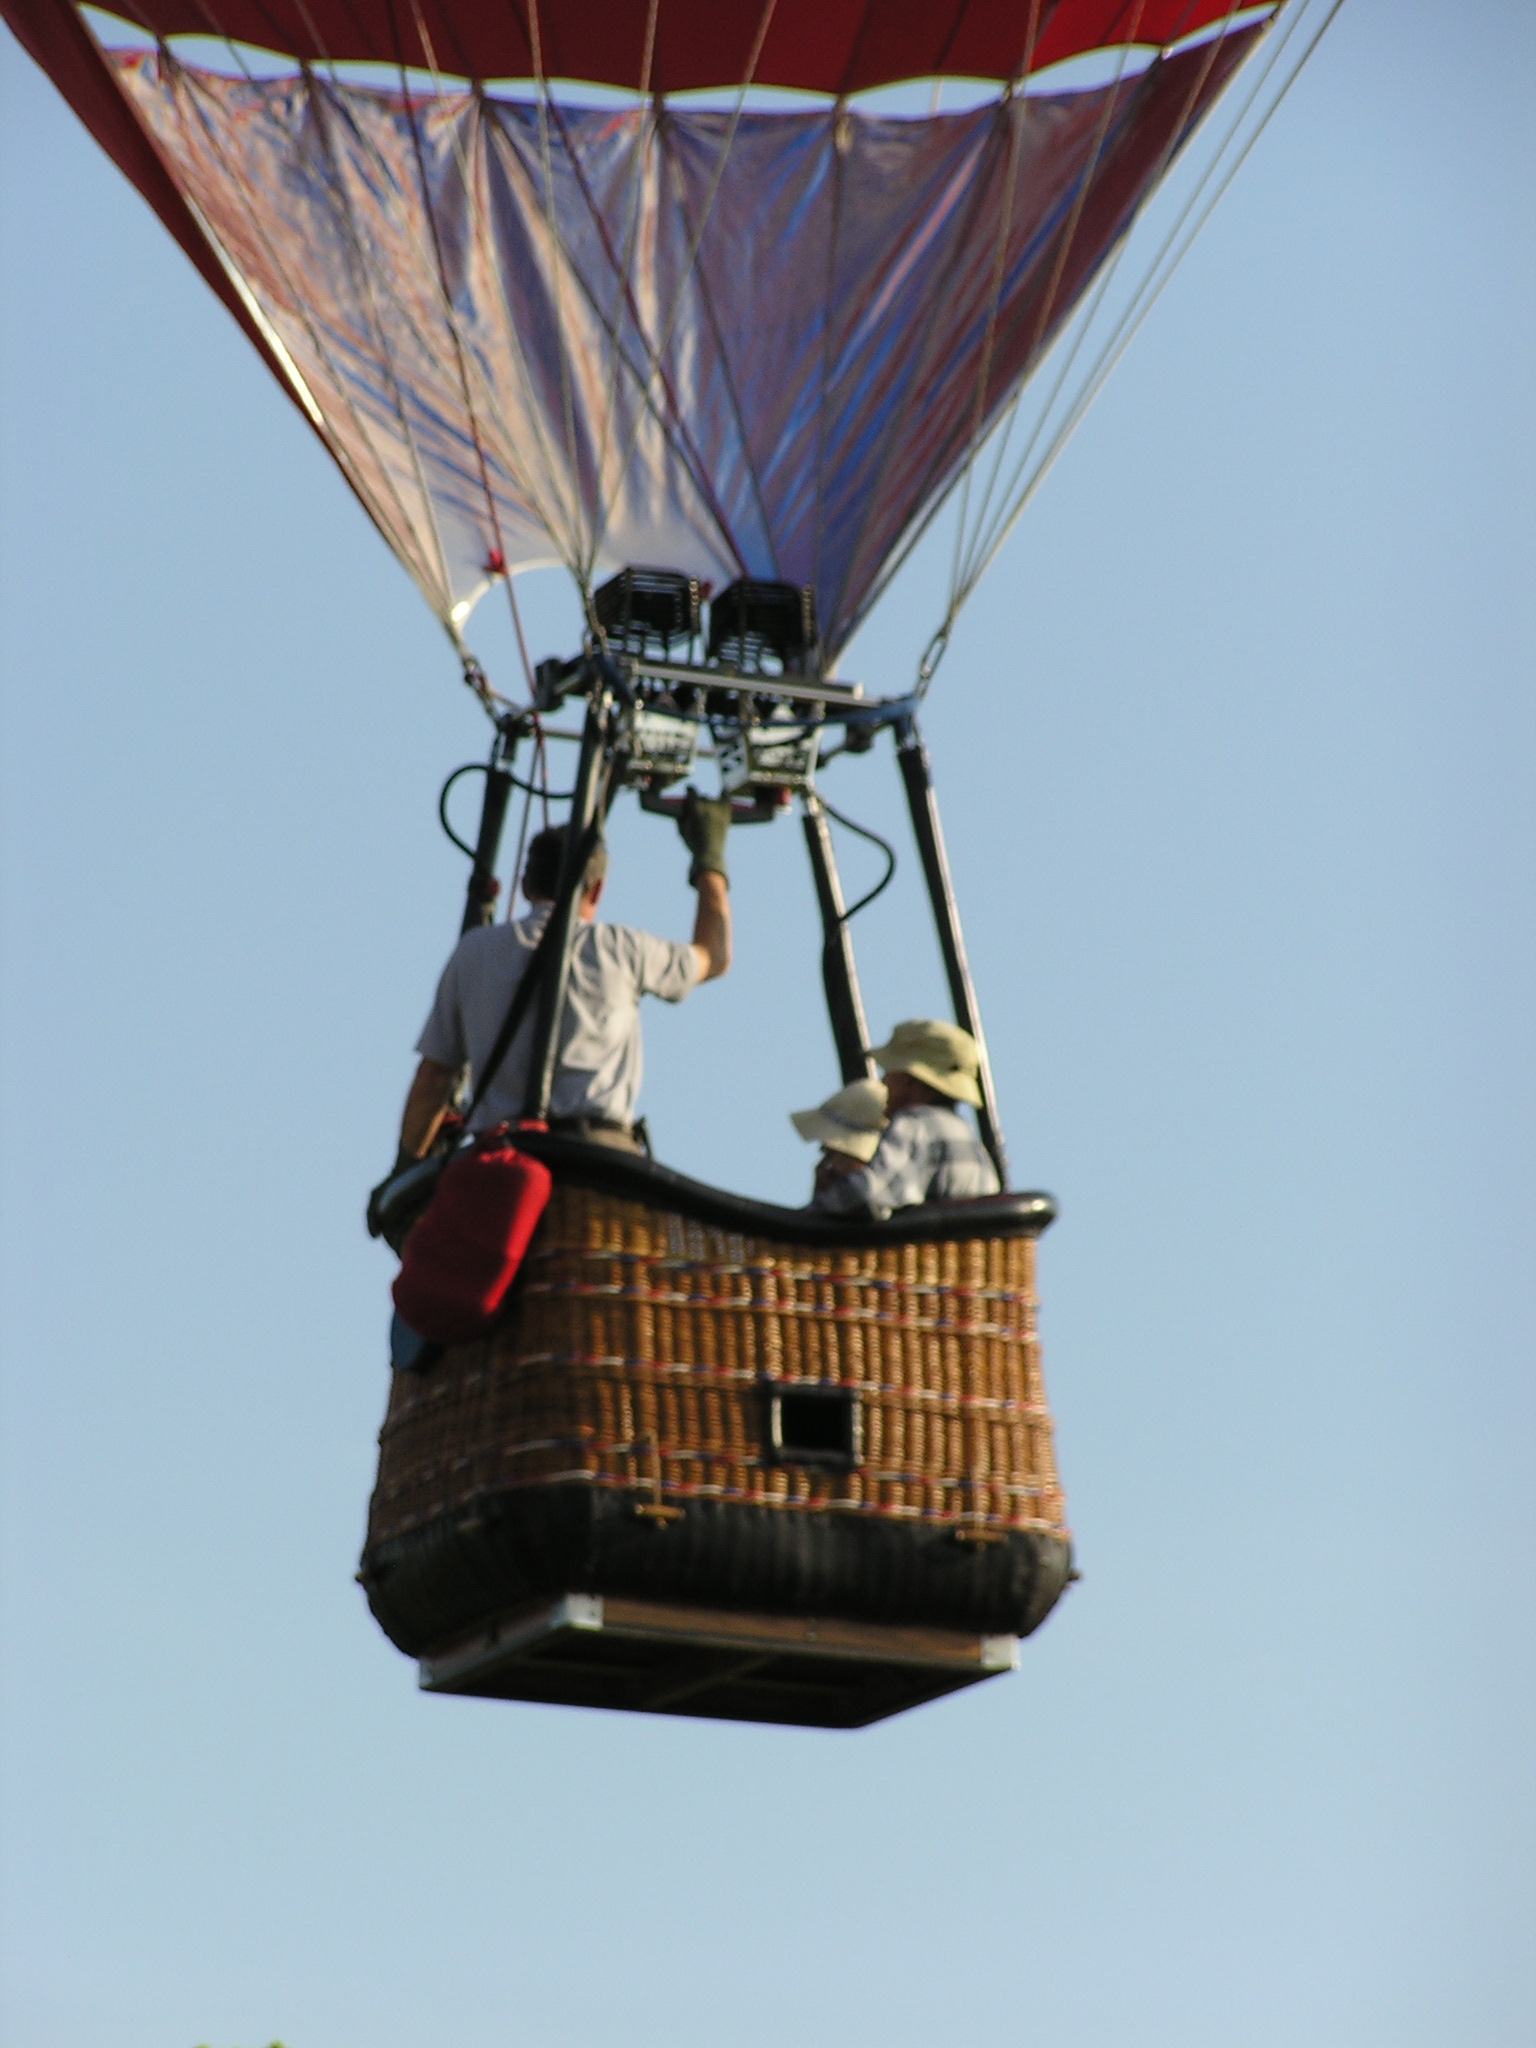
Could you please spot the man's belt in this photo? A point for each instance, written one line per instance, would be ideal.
(604, 1129)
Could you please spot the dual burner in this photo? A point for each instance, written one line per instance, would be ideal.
(755, 628)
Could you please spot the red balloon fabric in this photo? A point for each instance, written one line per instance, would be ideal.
(669, 46)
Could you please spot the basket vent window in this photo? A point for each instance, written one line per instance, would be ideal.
(813, 1426)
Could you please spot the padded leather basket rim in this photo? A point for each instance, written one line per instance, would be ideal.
(629, 1175)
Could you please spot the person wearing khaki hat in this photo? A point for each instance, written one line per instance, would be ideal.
(847, 1127)
(928, 1152)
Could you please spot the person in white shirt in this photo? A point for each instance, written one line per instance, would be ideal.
(600, 1059)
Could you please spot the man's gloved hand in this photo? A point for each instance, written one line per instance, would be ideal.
(704, 823)
(403, 1159)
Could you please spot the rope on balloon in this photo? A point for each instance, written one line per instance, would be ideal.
(498, 563)
(557, 251)
(986, 541)
(457, 365)
(669, 418)
(989, 534)
(1005, 222)
(696, 238)
(919, 528)
(333, 185)
(1038, 344)
(187, 91)
(624, 269)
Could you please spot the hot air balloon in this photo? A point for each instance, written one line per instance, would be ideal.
(652, 291)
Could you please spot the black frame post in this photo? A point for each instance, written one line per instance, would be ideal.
(839, 972)
(581, 834)
(480, 896)
(917, 778)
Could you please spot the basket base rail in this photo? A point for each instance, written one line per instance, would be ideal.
(650, 1657)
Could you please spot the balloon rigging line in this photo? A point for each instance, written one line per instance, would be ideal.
(838, 118)
(978, 409)
(488, 128)
(486, 121)
(190, 90)
(915, 533)
(517, 626)
(1127, 327)
(671, 423)
(623, 293)
(517, 859)
(982, 534)
(470, 185)
(884, 573)
(451, 318)
(337, 185)
(749, 460)
(474, 106)
(693, 254)
(1012, 507)
(917, 381)
(1082, 326)
(519, 476)
(1080, 200)
(183, 87)
(999, 261)
(262, 91)
(939, 494)
(558, 271)
(537, 789)
(336, 193)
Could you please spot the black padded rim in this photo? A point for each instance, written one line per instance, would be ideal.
(430, 1584)
(627, 1174)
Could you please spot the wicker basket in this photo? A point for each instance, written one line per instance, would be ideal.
(640, 1368)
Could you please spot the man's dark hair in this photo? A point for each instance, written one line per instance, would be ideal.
(541, 869)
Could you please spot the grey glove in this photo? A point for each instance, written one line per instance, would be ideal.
(704, 823)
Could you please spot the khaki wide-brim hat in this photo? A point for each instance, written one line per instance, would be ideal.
(850, 1121)
(943, 1055)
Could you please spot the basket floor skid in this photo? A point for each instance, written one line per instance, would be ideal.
(643, 1657)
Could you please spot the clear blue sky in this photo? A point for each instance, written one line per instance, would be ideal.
(1237, 755)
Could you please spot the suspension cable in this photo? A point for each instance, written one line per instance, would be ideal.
(987, 541)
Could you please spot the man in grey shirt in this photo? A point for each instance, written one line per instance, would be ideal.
(600, 1063)
(927, 1152)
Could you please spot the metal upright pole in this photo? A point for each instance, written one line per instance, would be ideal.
(480, 897)
(839, 973)
(582, 829)
(917, 777)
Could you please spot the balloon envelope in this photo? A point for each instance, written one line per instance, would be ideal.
(725, 341)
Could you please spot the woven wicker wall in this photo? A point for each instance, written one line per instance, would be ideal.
(637, 1359)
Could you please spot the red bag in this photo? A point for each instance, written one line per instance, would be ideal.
(463, 1255)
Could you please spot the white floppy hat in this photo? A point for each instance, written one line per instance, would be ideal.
(943, 1055)
(850, 1121)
